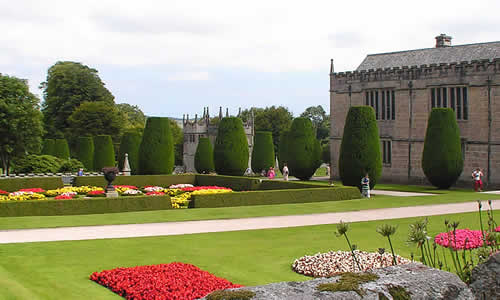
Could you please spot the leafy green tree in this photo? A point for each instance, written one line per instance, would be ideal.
(231, 147)
(48, 146)
(20, 120)
(442, 160)
(134, 117)
(178, 137)
(204, 156)
(130, 144)
(67, 86)
(84, 151)
(156, 152)
(61, 149)
(325, 153)
(104, 152)
(304, 151)
(263, 151)
(33, 163)
(95, 118)
(319, 119)
(360, 147)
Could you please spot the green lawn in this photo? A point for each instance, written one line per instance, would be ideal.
(451, 196)
(60, 270)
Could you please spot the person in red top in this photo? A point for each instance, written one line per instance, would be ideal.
(478, 183)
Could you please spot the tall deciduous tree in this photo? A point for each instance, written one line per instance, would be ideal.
(134, 117)
(67, 86)
(20, 120)
(319, 119)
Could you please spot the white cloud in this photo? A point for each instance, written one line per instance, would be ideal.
(188, 76)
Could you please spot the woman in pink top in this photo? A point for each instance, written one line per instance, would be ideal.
(271, 173)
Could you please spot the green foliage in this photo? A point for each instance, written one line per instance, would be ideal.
(104, 153)
(156, 152)
(283, 149)
(61, 148)
(84, 152)
(319, 119)
(442, 160)
(204, 156)
(348, 282)
(20, 120)
(231, 147)
(134, 117)
(263, 151)
(303, 152)
(48, 146)
(178, 137)
(46, 183)
(325, 153)
(231, 295)
(399, 293)
(68, 85)
(71, 166)
(81, 206)
(360, 147)
(36, 164)
(95, 118)
(130, 144)
(137, 180)
(306, 195)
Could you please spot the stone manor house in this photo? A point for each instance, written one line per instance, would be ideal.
(194, 129)
(403, 87)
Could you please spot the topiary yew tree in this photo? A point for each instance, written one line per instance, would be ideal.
(156, 152)
(104, 153)
(204, 156)
(84, 151)
(263, 151)
(131, 141)
(231, 148)
(303, 151)
(360, 147)
(61, 148)
(283, 148)
(48, 147)
(442, 160)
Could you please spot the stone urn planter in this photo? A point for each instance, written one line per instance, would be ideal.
(110, 175)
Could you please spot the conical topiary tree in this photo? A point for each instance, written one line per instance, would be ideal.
(304, 151)
(263, 151)
(231, 148)
(104, 153)
(156, 152)
(84, 151)
(360, 147)
(442, 160)
(48, 147)
(131, 141)
(61, 148)
(204, 156)
(283, 150)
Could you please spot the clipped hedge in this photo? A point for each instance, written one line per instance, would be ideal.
(274, 197)
(61, 148)
(84, 151)
(263, 151)
(104, 153)
(48, 147)
(15, 184)
(156, 152)
(231, 147)
(130, 144)
(33, 163)
(80, 206)
(137, 180)
(240, 183)
(204, 156)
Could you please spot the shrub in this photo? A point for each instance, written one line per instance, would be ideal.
(231, 147)
(104, 154)
(84, 151)
(61, 148)
(48, 147)
(325, 153)
(204, 156)
(36, 164)
(71, 165)
(283, 149)
(442, 160)
(130, 144)
(263, 151)
(303, 151)
(360, 147)
(156, 152)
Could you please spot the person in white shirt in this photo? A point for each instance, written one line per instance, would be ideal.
(285, 172)
(365, 186)
(478, 183)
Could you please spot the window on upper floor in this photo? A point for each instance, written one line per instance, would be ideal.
(454, 97)
(386, 152)
(383, 102)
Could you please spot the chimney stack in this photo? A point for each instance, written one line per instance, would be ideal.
(443, 40)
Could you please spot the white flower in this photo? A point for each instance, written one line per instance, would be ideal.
(180, 186)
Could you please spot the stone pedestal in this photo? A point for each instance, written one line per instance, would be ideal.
(110, 194)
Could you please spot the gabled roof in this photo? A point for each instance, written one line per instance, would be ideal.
(429, 56)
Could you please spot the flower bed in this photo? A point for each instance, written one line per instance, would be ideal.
(165, 281)
(463, 239)
(336, 262)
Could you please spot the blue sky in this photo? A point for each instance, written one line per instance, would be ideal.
(175, 57)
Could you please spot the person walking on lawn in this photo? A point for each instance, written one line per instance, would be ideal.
(285, 172)
(365, 186)
(478, 183)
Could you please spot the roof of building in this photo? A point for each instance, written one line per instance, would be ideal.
(429, 56)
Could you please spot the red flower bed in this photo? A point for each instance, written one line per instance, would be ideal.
(197, 188)
(34, 190)
(63, 197)
(153, 193)
(474, 239)
(96, 194)
(166, 281)
(2, 192)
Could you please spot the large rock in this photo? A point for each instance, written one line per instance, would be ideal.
(485, 279)
(419, 281)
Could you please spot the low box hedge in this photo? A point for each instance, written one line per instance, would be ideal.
(275, 197)
(81, 206)
(238, 183)
(287, 185)
(46, 183)
(136, 180)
